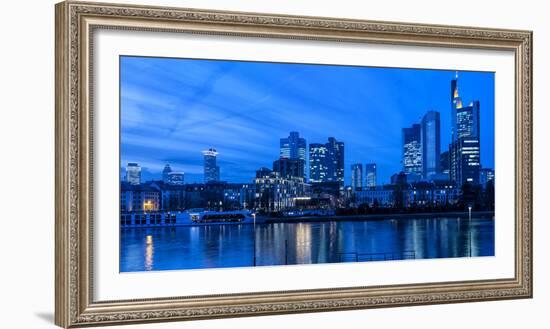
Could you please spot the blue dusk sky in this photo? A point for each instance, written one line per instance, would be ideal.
(172, 109)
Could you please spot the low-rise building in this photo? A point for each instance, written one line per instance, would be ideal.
(172, 196)
(378, 196)
(274, 193)
(139, 197)
(423, 193)
(176, 178)
(433, 194)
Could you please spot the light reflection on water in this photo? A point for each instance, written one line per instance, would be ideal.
(192, 247)
(149, 253)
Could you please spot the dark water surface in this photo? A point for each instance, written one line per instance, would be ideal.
(192, 247)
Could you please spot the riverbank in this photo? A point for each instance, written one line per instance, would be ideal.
(397, 216)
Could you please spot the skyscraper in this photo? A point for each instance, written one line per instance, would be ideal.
(211, 169)
(318, 169)
(444, 163)
(294, 147)
(356, 176)
(465, 160)
(326, 162)
(412, 150)
(370, 174)
(336, 163)
(165, 172)
(289, 168)
(465, 152)
(133, 173)
(430, 140)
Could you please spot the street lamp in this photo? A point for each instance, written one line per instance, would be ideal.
(254, 248)
(470, 227)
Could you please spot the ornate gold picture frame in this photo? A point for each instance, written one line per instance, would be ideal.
(76, 22)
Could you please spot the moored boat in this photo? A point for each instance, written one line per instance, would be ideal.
(185, 218)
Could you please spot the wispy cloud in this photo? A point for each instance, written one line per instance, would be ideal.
(171, 109)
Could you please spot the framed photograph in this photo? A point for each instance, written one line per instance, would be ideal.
(218, 164)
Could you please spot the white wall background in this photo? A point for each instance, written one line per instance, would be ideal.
(27, 162)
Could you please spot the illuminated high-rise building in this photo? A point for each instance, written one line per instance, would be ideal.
(465, 151)
(356, 176)
(294, 147)
(444, 163)
(465, 160)
(412, 150)
(165, 172)
(336, 161)
(430, 139)
(133, 173)
(370, 174)
(464, 119)
(289, 168)
(211, 169)
(318, 169)
(326, 162)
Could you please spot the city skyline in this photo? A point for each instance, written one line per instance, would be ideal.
(193, 118)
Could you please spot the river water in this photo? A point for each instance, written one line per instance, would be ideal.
(234, 245)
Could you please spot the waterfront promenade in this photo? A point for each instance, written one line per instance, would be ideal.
(392, 216)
